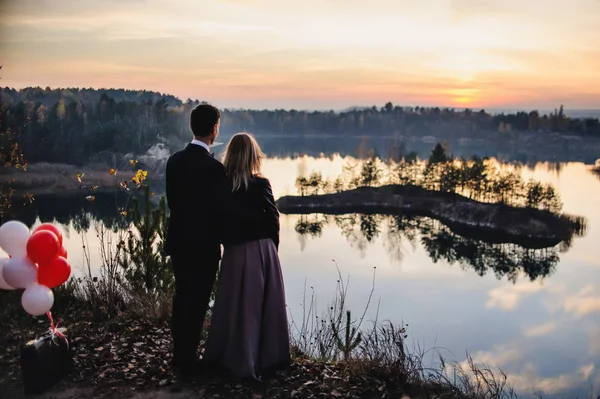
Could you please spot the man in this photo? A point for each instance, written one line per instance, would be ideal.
(194, 178)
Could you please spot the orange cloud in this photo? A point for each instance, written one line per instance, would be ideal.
(265, 53)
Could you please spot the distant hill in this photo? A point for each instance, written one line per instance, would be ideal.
(49, 97)
(571, 113)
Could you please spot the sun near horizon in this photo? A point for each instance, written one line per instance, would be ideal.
(312, 54)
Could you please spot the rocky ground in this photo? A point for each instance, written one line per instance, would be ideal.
(125, 358)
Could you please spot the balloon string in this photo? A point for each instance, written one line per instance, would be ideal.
(54, 332)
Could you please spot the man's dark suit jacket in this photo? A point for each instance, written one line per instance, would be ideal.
(194, 180)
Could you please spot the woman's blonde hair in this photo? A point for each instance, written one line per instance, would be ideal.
(243, 159)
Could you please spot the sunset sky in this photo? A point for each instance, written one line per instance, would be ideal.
(312, 53)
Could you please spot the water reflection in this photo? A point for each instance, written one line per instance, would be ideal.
(72, 210)
(360, 230)
(439, 242)
(319, 145)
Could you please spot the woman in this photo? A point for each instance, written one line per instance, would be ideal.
(249, 332)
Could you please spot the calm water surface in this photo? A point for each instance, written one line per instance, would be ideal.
(545, 333)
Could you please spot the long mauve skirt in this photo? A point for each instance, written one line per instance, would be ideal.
(248, 329)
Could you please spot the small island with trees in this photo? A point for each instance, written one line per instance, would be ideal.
(469, 196)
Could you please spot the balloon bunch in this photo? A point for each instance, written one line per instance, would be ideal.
(37, 262)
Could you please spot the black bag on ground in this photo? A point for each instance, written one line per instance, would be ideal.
(45, 361)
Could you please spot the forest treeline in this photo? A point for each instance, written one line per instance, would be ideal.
(72, 125)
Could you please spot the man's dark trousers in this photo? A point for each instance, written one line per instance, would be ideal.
(194, 279)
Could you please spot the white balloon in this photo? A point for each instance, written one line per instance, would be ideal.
(37, 299)
(19, 272)
(3, 284)
(13, 238)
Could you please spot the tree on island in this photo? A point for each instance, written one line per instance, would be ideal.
(476, 178)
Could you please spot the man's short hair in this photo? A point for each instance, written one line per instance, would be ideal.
(203, 119)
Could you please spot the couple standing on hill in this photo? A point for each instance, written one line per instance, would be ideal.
(230, 203)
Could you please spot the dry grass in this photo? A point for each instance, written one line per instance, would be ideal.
(381, 352)
(105, 288)
(380, 362)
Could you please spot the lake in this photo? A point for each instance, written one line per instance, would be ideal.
(534, 313)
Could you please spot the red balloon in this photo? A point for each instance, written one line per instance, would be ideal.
(42, 246)
(52, 228)
(54, 273)
(62, 252)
